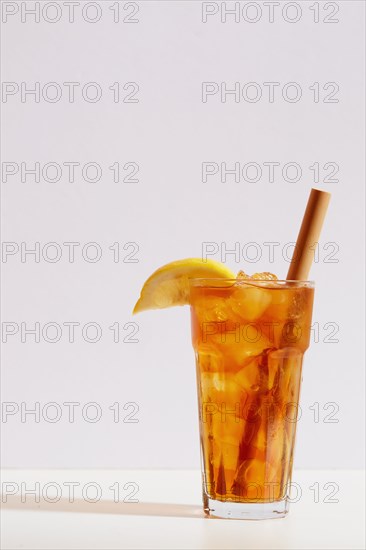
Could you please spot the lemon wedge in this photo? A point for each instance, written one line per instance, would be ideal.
(168, 286)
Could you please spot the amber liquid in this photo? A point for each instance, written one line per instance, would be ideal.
(249, 341)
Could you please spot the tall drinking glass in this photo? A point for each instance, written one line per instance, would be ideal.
(249, 338)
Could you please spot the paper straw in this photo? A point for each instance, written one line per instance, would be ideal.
(309, 233)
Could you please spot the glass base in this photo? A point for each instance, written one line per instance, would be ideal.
(240, 510)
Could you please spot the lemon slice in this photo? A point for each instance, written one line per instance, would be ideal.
(168, 286)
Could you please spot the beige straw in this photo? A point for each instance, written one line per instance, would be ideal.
(309, 233)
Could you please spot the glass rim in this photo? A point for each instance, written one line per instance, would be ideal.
(200, 281)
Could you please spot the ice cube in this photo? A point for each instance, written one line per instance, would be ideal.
(286, 365)
(265, 276)
(227, 452)
(212, 309)
(209, 359)
(249, 479)
(249, 302)
(220, 388)
(242, 276)
(248, 376)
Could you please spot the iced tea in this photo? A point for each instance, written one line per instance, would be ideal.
(249, 338)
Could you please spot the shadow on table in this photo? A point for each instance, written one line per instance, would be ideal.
(105, 507)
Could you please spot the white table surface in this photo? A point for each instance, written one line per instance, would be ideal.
(169, 512)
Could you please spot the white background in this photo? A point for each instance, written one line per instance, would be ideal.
(169, 213)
